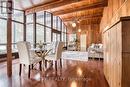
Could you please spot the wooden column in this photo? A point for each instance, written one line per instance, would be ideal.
(9, 40)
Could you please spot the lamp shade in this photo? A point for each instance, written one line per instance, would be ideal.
(73, 24)
(79, 30)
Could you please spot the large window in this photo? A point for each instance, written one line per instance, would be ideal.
(29, 29)
(17, 33)
(17, 29)
(48, 19)
(40, 28)
(48, 28)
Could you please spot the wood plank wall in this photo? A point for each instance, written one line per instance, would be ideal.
(116, 41)
(115, 10)
(115, 68)
(92, 31)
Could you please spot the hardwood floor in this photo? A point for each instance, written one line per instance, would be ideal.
(72, 74)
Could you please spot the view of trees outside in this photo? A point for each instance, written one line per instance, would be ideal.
(48, 28)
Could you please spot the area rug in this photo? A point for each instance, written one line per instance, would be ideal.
(75, 55)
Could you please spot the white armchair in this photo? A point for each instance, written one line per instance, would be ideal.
(57, 56)
(26, 56)
(95, 51)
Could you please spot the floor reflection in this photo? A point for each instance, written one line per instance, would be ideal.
(73, 74)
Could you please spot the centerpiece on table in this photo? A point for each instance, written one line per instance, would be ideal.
(40, 45)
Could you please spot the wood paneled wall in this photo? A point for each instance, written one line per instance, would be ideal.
(116, 41)
(115, 10)
(92, 32)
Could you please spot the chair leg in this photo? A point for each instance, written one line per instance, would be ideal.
(40, 65)
(56, 65)
(45, 63)
(20, 68)
(32, 66)
(29, 71)
(60, 62)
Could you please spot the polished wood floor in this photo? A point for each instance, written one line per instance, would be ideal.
(72, 74)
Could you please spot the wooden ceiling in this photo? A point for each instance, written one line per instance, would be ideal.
(85, 11)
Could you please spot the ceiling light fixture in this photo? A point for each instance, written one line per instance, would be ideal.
(73, 24)
(79, 30)
(75, 21)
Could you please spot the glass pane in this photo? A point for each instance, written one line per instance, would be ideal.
(18, 16)
(62, 37)
(3, 12)
(63, 27)
(65, 30)
(48, 19)
(29, 33)
(54, 37)
(40, 17)
(3, 35)
(29, 18)
(40, 33)
(17, 34)
(58, 37)
(65, 37)
(59, 24)
(48, 35)
(3, 31)
(54, 22)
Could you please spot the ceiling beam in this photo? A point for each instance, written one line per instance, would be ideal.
(48, 6)
(77, 15)
(82, 17)
(87, 21)
(79, 6)
(95, 20)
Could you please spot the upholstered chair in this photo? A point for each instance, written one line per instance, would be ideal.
(57, 55)
(27, 56)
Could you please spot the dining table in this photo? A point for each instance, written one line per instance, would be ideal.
(42, 53)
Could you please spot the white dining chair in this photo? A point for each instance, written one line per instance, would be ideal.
(57, 55)
(27, 56)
